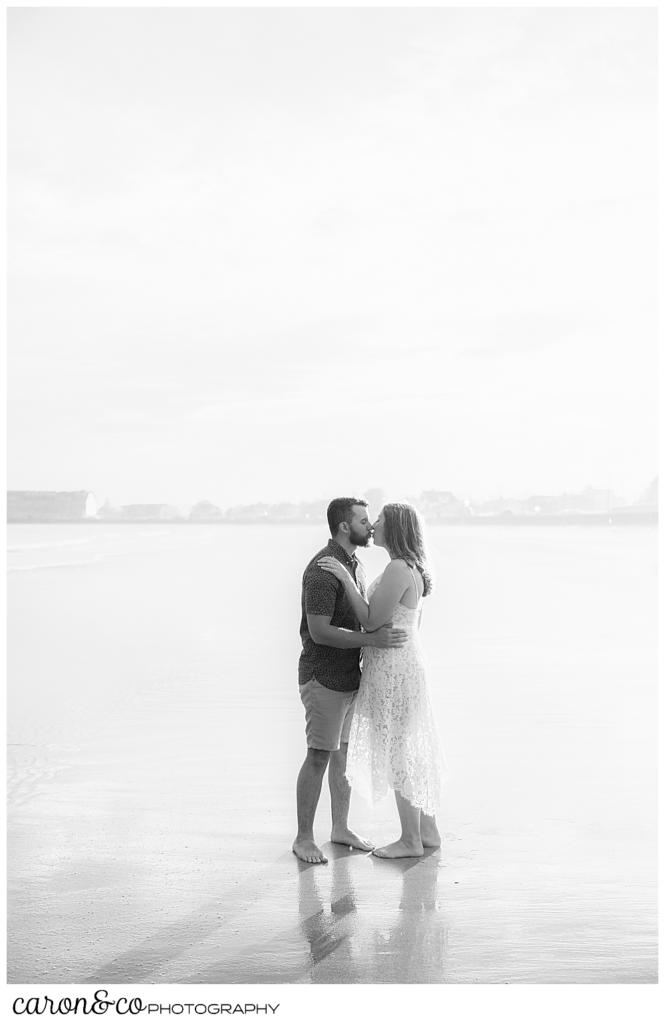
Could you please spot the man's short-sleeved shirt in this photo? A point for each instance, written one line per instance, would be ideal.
(323, 594)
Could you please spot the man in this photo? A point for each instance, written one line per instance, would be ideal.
(329, 676)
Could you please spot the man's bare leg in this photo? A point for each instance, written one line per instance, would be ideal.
(340, 798)
(308, 791)
(429, 832)
(409, 843)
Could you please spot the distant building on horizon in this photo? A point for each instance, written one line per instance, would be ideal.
(259, 512)
(148, 513)
(205, 512)
(50, 506)
(497, 507)
(590, 500)
(314, 511)
(436, 506)
(645, 509)
(108, 511)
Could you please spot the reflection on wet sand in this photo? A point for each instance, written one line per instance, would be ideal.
(393, 929)
(415, 946)
(326, 930)
(357, 920)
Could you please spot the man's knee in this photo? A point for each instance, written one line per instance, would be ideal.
(318, 758)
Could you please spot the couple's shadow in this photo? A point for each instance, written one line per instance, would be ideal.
(382, 921)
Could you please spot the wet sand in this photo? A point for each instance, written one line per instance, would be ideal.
(150, 833)
(150, 861)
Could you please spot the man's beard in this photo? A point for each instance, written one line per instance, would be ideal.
(361, 540)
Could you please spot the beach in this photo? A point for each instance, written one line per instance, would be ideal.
(155, 733)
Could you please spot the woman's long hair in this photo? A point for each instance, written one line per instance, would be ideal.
(404, 538)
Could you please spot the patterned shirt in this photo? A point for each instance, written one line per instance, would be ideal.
(323, 594)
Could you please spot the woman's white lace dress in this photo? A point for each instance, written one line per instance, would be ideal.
(394, 742)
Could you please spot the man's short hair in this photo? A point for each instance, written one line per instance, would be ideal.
(340, 511)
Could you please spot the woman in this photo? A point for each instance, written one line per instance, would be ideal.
(394, 742)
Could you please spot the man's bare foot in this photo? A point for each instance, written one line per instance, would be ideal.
(346, 837)
(307, 850)
(399, 849)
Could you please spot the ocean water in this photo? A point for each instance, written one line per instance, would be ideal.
(152, 694)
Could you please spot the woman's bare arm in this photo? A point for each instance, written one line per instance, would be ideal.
(379, 611)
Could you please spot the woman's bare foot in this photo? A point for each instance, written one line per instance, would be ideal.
(430, 838)
(429, 833)
(307, 850)
(346, 837)
(400, 849)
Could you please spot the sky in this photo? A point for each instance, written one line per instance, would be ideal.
(281, 254)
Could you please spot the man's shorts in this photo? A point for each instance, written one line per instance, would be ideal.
(328, 715)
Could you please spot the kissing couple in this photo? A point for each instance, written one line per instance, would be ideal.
(368, 715)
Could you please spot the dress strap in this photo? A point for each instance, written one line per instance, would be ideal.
(415, 583)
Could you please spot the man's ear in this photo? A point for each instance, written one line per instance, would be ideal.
(344, 527)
